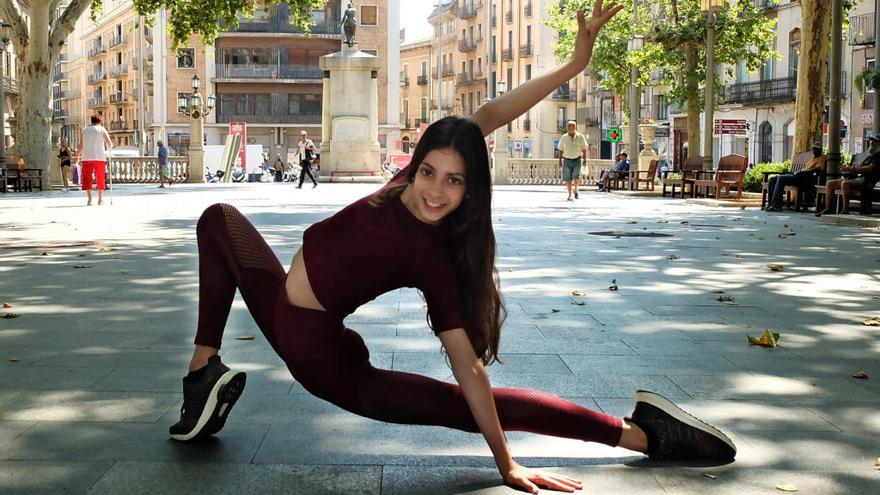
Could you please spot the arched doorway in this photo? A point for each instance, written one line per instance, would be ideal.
(405, 144)
(765, 142)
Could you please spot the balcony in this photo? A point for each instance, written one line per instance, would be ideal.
(527, 9)
(278, 21)
(119, 125)
(97, 77)
(493, 21)
(59, 113)
(118, 40)
(563, 94)
(468, 12)
(527, 125)
(62, 58)
(96, 50)
(422, 80)
(767, 4)
(270, 118)
(59, 75)
(448, 72)
(861, 29)
(135, 63)
(118, 98)
(771, 90)
(525, 50)
(118, 70)
(96, 102)
(467, 45)
(466, 78)
(508, 16)
(148, 33)
(10, 84)
(60, 95)
(404, 81)
(507, 54)
(268, 72)
(479, 75)
(589, 115)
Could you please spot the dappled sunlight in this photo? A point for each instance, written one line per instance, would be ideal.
(90, 406)
(760, 385)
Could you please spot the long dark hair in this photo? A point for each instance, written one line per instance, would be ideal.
(470, 225)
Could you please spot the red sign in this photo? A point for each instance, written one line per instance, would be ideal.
(240, 128)
(738, 127)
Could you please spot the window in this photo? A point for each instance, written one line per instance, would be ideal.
(303, 104)
(424, 110)
(404, 115)
(371, 51)
(369, 15)
(662, 108)
(765, 143)
(261, 56)
(186, 58)
(261, 104)
(424, 68)
(245, 105)
(509, 78)
(528, 72)
(794, 52)
(240, 56)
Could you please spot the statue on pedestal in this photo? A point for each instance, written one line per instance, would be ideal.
(349, 24)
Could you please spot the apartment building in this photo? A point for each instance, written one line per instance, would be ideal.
(266, 73)
(861, 43)
(10, 90)
(415, 90)
(765, 99)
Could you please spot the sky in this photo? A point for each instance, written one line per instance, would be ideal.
(414, 17)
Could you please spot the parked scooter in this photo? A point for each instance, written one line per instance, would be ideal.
(238, 174)
(213, 177)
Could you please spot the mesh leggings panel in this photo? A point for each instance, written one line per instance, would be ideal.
(232, 254)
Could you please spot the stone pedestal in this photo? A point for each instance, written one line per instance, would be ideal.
(500, 157)
(196, 152)
(647, 132)
(350, 121)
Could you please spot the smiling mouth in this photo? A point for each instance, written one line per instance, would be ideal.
(433, 205)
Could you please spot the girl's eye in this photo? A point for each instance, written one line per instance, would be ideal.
(426, 172)
(456, 181)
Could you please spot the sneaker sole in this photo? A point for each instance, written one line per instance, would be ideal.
(223, 396)
(680, 414)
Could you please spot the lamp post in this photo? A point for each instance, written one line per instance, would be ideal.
(501, 155)
(710, 7)
(4, 40)
(635, 44)
(833, 164)
(192, 107)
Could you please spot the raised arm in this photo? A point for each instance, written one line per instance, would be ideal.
(504, 109)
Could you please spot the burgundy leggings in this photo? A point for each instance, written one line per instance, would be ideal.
(333, 363)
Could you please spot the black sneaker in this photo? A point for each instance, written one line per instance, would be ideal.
(208, 395)
(676, 435)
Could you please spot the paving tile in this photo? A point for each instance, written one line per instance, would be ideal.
(223, 478)
(50, 377)
(84, 405)
(45, 477)
(693, 364)
(751, 386)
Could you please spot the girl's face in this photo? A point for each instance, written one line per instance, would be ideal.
(438, 188)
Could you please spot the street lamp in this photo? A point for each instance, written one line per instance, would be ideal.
(500, 153)
(710, 7)
(192, 107)
(4, 40)
(635, 43)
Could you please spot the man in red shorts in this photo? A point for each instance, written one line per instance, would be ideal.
(93, 152)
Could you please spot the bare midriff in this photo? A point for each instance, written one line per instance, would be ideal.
(299, 290)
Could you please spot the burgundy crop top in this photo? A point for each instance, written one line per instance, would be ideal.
(364, 251)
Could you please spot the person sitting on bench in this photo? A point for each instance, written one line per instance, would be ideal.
(802, 179)
(862, 177)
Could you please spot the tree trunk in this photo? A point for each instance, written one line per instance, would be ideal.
(32, 127)
(691, 58)
(812, 75)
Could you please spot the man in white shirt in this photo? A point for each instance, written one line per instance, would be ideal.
(92, 152)
(305, 150)
(572, 146)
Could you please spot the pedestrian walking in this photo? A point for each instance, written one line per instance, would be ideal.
(572, 146)
(278, 167)
(305, 150)
(440, 209)
(65, 157)
(93, 152)
(162, 161)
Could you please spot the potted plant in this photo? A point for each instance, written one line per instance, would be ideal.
(868, 78)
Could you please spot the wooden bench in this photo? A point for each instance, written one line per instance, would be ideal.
(797, 165)
(690, 167)
(729, 174)
(24, 179)
(643, 177)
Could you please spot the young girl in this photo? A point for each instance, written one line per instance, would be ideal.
(440, 207)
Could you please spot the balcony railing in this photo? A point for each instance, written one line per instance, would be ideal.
(467, 12)
(479, 76)
(118, 97)
(563, 94)
(467, 45)
(527, 125)
(861, 29)
(589, 115)
(118, 70)
(525, 50)
(782, 89)
(275, 71)
(404, 81)
(62, 57)
(466, 78)
(278, 21)
(507, 54)
(59, 113)
(527, 9)
(422, 80)
(97, 77)
(119, 125)
(447, 72)
(493, 21)
(10, 84)
(508, 16)
(270, 118)
(117, 40)
(96, 102)
(96, 50)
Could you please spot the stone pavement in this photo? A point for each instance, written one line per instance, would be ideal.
(90, 372)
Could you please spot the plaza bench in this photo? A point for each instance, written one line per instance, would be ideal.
(729, 174)
(690, 167)
(636, 177)
(797, 165)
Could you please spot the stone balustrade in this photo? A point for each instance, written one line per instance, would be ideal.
(547, 171)
(145, 169)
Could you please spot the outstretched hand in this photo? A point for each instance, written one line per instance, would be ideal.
(588, 31)
(531, 479)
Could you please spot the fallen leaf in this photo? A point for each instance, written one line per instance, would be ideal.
(872, 321)
(44, 253)
(685, 222)
(81, 266)
(861, 375)
(510, 269)
(775, 267)
(662, 221)
(761, 238)
(123, 272)
(579, 292)
(245, 337)
(877, 464)
(555, 310)
(579, 303)
(9, 316)
(743, 207)
(7, 305)
(631, 221)
(740, 256)
(726, 298)
(785, 225)
(102, 248)
(769, 339)
(717, 292)
(788, 487)
(13, 360)
(709, 475)
(673, 257)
